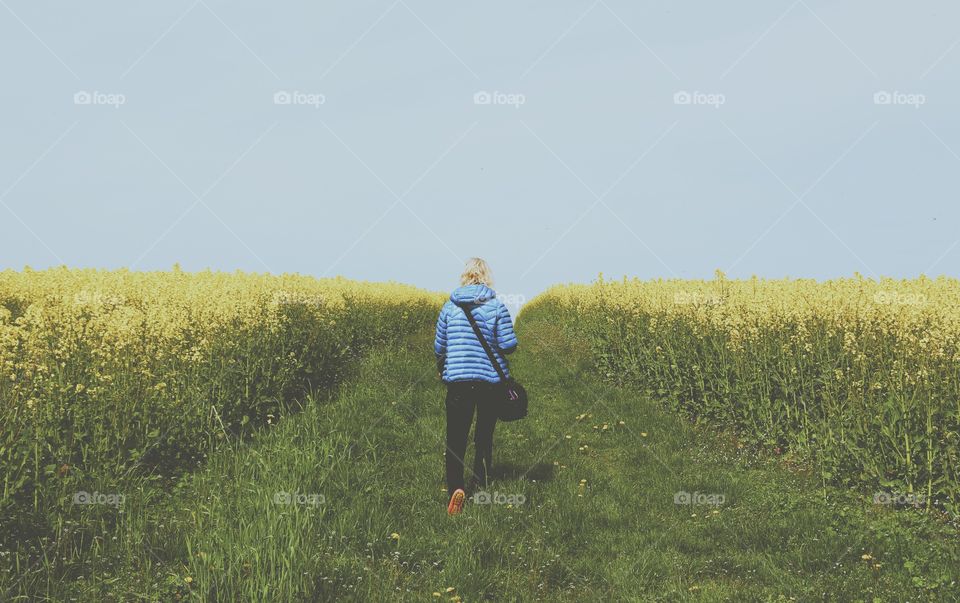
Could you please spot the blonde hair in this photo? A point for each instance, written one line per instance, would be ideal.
(476, 272)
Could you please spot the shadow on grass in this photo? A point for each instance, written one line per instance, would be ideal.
(541, 472)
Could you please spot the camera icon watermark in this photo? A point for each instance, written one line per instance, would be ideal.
(98, 498)
(95, 97)
(497, 498)
(298, 498)
(685, 498)
(513, 99)
(696, 97)
(295, 97)
(896, 97)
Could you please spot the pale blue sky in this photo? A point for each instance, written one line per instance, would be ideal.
(795, 170)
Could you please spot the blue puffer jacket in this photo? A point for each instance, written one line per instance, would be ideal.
(457, 344)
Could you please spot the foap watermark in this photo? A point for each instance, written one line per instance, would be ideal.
(513, 302)
(512, 99)
(95, 97)
(296, 97)
(696, 97)
(97, 298)
(98, 498)
(899, 498)
(685, 298)
(297, 298)
(896, 97)
(698, 498)
(898, 298)
(298, 498)
(497, 498)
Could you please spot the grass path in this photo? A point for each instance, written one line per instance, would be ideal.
(599, 521)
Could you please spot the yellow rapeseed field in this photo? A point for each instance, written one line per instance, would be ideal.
(103, 372)
(859, 375)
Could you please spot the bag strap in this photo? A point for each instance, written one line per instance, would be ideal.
(483, 341)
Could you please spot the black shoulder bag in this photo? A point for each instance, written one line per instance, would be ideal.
(512, 396)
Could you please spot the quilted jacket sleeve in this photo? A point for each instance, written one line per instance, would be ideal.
(440, 341)
(506, 339)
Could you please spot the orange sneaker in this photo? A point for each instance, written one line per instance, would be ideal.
(456, 502)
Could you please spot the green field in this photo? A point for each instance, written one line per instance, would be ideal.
(344, 501)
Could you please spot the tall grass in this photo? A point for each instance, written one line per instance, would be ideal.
(113, 376)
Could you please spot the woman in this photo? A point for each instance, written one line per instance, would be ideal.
(470, 376)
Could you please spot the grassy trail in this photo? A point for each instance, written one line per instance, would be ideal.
(599, 521)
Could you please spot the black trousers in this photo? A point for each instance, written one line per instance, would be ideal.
(463, 397)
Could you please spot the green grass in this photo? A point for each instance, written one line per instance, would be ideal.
(374, 452)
